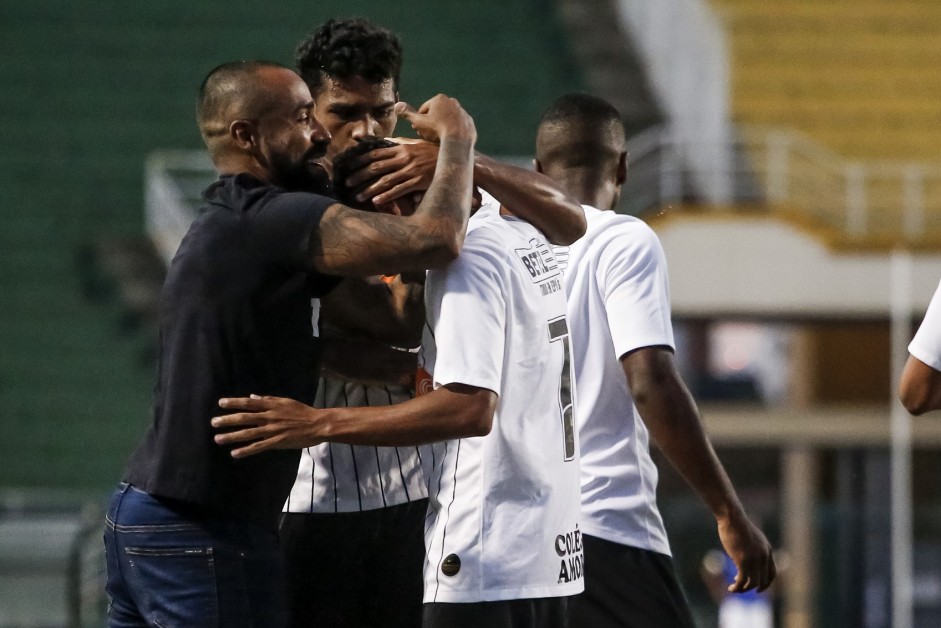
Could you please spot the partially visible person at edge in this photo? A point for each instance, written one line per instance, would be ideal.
(629, 389)
(920, 384)
(358, 508)
(191, 536)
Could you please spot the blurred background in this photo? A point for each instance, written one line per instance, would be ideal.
(787, 152)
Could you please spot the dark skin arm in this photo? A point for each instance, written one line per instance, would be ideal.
(919, 387)
(265, 423)
(671, 416)
(358, 243)
(391, 173)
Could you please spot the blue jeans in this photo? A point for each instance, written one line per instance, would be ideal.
(171, 565)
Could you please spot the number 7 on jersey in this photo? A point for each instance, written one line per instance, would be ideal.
(559, 332)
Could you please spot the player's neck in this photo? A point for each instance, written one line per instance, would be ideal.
(592, 190)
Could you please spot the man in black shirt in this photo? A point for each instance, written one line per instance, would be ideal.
(190, 534)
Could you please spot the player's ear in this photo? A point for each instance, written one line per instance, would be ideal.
(622, 168)
(244, 134)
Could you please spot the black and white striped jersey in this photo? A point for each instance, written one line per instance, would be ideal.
(333, 477)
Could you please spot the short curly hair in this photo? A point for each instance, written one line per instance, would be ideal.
(349, 47)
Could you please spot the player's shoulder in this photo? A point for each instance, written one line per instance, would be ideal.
(496, 241)
(497, 231)
(606, 228)
(608, 220)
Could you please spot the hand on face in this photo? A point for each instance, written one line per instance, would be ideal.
(398, 172)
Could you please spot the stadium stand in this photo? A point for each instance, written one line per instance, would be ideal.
(857, 77)
(855, 82)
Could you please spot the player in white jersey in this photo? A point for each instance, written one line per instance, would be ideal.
(503, 546)
(920, 384)
(505, 504)
(619, 314)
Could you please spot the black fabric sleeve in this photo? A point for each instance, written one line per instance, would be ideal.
(281, 225)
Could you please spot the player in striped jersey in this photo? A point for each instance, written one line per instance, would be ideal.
(361, 508)
(619, 312)
(358, 508)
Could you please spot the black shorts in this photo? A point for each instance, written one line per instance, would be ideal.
(627, 587)
(355, 569)
(544, 612)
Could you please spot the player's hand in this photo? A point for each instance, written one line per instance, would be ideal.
(748, 548)
(388, 174)
(438, 119)
(266, 423)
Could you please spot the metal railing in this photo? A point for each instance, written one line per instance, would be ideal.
(783, 168)
(52, 564)
(770, 167)
(173, 183)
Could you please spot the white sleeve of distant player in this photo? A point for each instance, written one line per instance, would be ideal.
(636, 291)
(466, 314)
(926, 345)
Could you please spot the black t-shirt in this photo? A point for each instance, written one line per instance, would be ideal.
(235, 319)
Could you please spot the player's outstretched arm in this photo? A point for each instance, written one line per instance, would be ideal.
(669, 412)
(390, 173)
(264, 423)
(919, 387)
(353, 242)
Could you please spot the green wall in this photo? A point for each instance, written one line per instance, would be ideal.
(88, 89)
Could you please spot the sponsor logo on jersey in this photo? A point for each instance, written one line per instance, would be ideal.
(569, 548)
(539, 262)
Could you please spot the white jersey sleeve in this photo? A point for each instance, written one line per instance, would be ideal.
(635, 289)
(926, 345)
(470, 308)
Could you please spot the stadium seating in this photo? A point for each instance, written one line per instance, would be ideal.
(860, 77)
(88, 91)
(858, 80)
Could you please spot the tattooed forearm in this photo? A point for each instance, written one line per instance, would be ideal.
(352, 242)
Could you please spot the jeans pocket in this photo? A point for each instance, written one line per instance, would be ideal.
(178, 584)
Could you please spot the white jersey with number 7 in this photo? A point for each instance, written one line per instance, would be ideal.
(504, 508)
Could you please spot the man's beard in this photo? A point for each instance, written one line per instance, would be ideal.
(304, 175)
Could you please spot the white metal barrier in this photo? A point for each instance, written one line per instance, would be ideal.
(888, 200)
(897, 200)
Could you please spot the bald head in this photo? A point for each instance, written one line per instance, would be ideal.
(580, 144)
(255, 117)
(240, 90)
